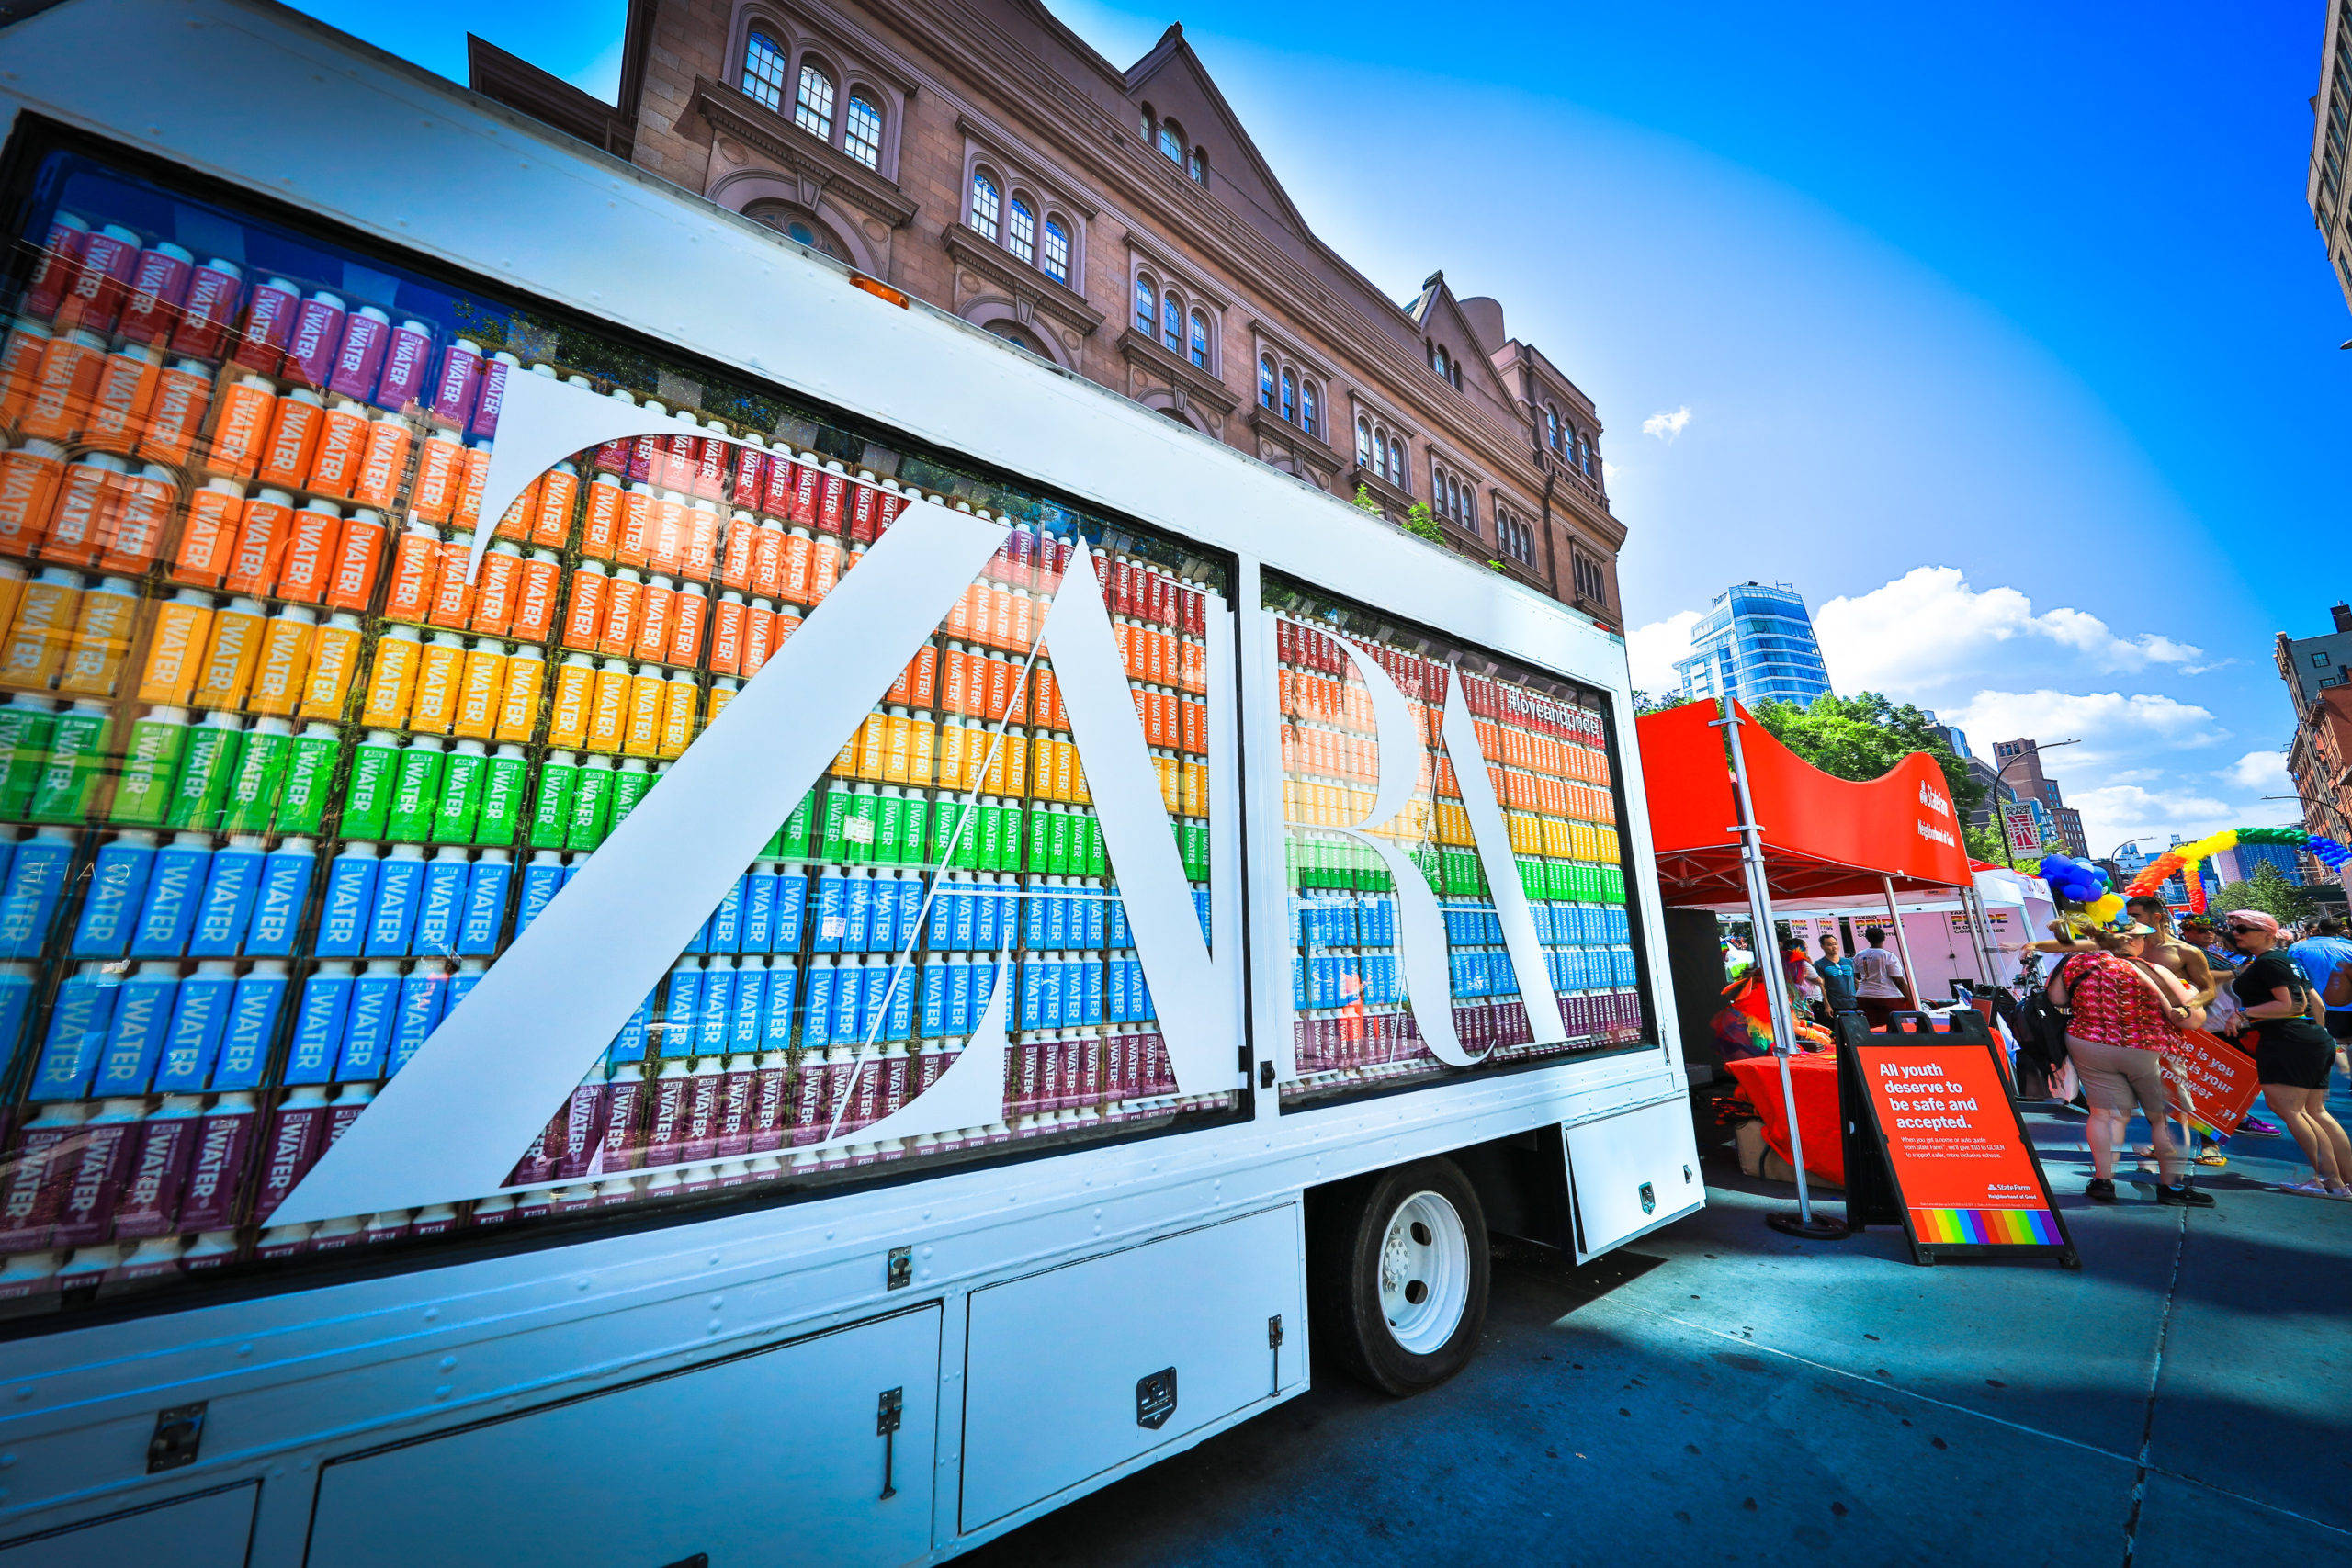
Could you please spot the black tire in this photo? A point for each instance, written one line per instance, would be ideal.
(1348, 1232)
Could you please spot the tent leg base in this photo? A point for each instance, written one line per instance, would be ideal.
(1820, 1229)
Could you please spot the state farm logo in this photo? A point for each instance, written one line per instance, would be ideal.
(1933, 799)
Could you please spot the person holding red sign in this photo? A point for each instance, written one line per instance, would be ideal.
(2126, 1015)
(2293, 1053)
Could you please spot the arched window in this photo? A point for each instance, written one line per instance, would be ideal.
(1437, 482)
(986, 205)
(1306, 415)
(763, 70)
(1171, 322)
(1379, 452)
(812, 110)
(1200, 340)
(1056, 251)
(1397, 464)
(1146, 307)
(862, 132)
(1364, 444)
(1171, 141)
(1290, 397)
(1584, 454)
(1200, 165)
(1021, 231)
(1266, 382)
(1444, 366)
(1454, 498)
(1147, 122)
(1552, 426)
(1470, 508)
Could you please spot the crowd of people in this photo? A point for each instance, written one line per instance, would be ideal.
(2129, 993)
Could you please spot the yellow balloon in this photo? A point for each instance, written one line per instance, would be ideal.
(2107, 909)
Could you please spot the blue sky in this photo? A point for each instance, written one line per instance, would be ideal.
(2002, 331)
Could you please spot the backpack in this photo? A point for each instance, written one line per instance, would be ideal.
(2337, 992)
(2041, 1025)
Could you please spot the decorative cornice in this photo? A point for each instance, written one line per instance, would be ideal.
(1311, 450)
(972, 248)
(734, 113)
(1360, 476)
(1199, 386)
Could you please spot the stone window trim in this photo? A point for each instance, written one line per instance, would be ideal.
(802, 33)
(1156, 266)
(1199, 387)
(817, 167)
(1448, 477)
(985, 144)
(1048, 202)
(1015, 280)
(1277, 341)
(1142, 275)
(1143, 251)
(1368, 406)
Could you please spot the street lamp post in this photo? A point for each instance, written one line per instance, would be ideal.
(2007, 848)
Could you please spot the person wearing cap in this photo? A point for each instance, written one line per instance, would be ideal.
(2293, 1053)
(2127, 1012)
(2201, 934)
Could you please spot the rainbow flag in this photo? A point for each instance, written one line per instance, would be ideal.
(1985, 1227)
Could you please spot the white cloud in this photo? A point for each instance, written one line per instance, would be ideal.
(2116, 814)
(1927, 635)
(1667, 426)
(2259, 773)
(2108, 724)
(1608, 472)
(1652, 650)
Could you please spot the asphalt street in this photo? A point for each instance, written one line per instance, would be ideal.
(1719, 1393)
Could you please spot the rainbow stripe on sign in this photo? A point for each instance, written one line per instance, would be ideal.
(1985, 1227)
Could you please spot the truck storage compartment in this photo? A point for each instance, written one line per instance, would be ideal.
(1630, 1173)
(212, 1529)
(1080, 1369)
(775, 1456)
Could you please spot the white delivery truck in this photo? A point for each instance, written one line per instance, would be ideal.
(659, 908)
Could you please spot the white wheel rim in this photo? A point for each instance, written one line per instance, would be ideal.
(1424, 1272)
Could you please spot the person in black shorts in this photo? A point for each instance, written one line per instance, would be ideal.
(2292, 1054)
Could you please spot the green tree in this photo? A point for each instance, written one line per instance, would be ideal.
(1421, 524)
(1863, 735)
(1367, 501)
(2269, 892)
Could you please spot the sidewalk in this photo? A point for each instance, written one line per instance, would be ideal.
(1719, 1391)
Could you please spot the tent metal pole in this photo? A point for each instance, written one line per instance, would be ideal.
(1902, 946)
(1981, 928)
(1770, 970)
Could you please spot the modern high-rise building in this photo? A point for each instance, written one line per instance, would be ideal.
(1754, 643)
(2019, 763)
(2239, 864)
(2329, 179)
(2318, 673)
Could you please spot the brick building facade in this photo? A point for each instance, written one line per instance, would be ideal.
(979, 156)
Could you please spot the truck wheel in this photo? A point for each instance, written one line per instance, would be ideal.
(1399, 1272)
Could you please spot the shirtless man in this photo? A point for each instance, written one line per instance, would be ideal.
(2167, 951)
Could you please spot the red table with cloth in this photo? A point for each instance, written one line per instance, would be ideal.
(1814, 1079)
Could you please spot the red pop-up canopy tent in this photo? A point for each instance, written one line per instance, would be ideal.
(1738, 820)
(1824, 838)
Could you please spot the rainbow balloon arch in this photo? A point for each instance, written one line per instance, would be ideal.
(2186, 858)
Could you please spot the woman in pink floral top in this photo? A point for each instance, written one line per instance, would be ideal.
(2125, 1013)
